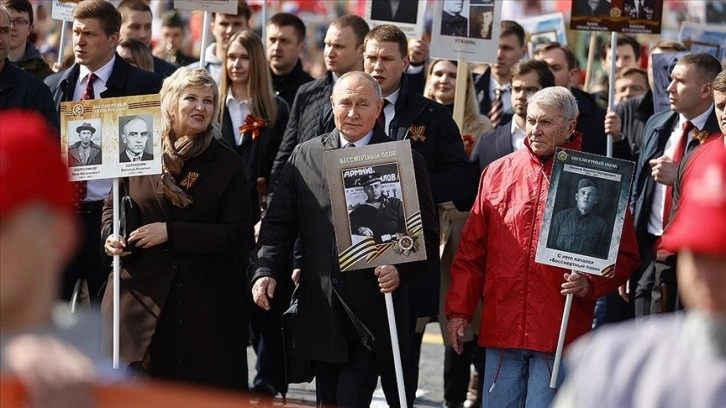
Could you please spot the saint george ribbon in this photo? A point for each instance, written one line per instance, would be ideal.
(254, 125)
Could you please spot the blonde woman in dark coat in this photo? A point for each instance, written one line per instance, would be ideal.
(183, 313)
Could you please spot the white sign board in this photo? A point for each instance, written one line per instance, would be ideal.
(408, 15)
(112, 137)
(63, 9)
(216, 6)
(466, 29)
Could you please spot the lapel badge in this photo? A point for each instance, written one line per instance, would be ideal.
(417, 133)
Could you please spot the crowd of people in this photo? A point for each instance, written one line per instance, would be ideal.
(239, 224)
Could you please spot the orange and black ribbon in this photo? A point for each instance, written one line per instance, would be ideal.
(253, 124)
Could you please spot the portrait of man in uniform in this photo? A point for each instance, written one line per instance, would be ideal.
(579, 229)
(380, 217)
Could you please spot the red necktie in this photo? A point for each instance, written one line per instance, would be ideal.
(677, 157)
(381, 119)
(495, 113)
(80, 188)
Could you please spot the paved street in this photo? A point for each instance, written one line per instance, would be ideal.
(430, 385)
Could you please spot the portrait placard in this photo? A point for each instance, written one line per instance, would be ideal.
(407, 15)
(63, 9)
(622, 16)
(585, 212)
(216, 6)
(544, 29)
(375, 205)
(466, 29)
(706, 38)
(112, 137)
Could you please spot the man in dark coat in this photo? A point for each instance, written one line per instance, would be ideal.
(96, 27)
(343, 53)
(336, 310)
(434, 134)
(579, 229)
(285, 43)
(136, 19)
(527, 78)
(667, 139)
(23, 53)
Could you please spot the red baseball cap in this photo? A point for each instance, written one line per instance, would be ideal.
(31, 168)
(700, 222)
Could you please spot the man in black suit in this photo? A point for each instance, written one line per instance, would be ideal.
(341, 326)
(527, 78)
(434, 134)
(497, 78)
(97, 73)
(20, 89)
(592, 8)
(668, 137)
(136, 19)
(134, 135)
(396, 11)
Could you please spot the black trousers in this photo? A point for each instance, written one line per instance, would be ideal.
(353, 384)
(457, 372)
(88, 262)
(644, 277)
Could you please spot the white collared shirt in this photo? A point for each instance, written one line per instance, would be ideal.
(362, 142)
(390, 109)
(655, 222)
(506, 95)
(99, 85)
(238, 111)
(96, 190)
(518, 136)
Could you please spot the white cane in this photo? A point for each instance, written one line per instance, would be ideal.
(561, 340)
(116, 280)
(396, 349)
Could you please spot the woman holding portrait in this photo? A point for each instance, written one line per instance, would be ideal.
(183, 315)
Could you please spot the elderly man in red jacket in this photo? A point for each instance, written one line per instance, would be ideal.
(524, 300)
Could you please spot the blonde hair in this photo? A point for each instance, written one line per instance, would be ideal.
(141, 53)
(474, 122)
(172, 90)
(259, 81)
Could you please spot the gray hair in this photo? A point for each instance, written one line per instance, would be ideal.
(557, 97)
(374, 84)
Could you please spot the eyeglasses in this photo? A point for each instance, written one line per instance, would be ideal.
(19, 22)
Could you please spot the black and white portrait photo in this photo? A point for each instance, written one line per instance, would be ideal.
(481, 17)
(578, 225)
(135, 138)
(373, 198)
(397, 11)
(454, 19)
(84, 143)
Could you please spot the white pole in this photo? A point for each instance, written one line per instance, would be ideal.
(116, 280)
(561, 340)
(396, 349)
(611, 86)
(62, 44)
(205, 35)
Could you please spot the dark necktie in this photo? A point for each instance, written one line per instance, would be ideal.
(348, 145)
(381, 119)
(80, 188)
(678, 154)
(495, 112)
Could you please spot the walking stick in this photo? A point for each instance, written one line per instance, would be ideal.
(396, 349)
